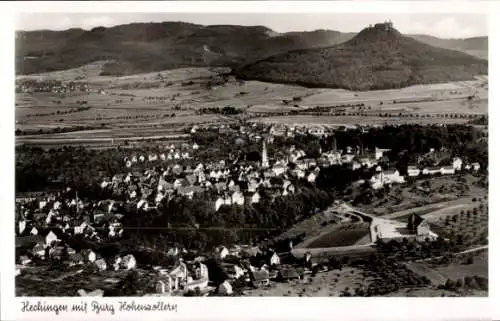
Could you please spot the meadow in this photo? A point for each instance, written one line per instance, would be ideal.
(174, 97)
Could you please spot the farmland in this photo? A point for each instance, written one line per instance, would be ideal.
(330, 283)
(160, 101)
(345, 235)
(469, 227)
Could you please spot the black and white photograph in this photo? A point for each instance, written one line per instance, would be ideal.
(251, 154)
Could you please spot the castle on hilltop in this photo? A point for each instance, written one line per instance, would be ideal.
(386, 25)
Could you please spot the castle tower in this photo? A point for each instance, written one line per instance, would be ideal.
(265, 160)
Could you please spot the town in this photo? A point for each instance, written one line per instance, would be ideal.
(76, 231)
(247, 162)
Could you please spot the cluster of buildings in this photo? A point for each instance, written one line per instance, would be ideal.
(456, 165)
(51, 246)
(46, 222)
(416, 229)
(51, 86)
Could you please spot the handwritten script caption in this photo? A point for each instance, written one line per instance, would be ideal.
(97, 307)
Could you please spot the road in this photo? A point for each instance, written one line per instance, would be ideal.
(300, 250)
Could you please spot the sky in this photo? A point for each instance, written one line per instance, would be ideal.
(444, 25)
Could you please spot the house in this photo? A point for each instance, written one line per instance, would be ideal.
(88, 255)
(24, 260)
(116, 263)
(413, 171)
(70, 251)
(218, 203)
(417, 225)
(97, 292)
(101, 264)
(365, 161)
(386, 177)
(274, 259)
(259, 277)
(142, 204)
(234, 271)
(222, 252)
(355, 165)
(34, 231)
(39, 250)
(173, 251)
(393, 176)
(287, 274)
(447, 170)
(75, 259)
(225, 288)
(128, 262)
(238, 198)
(50, 238)
(347, 158)
(299, 173)
(457, 163)
(166, 284)
(318, 131)
(379, 153)
(431, 170)
(279, 170)
(56, 252)
(475, 166)
(255, 198)
(311, 178)
(22, 226)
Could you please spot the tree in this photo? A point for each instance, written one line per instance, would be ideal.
(450, 284)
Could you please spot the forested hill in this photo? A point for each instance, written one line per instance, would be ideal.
(146, 47)
(379, 57)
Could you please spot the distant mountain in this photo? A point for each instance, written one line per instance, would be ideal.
(146, 47)
(379, 57)
(477, 46)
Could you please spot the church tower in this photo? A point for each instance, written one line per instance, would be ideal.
(265, 161)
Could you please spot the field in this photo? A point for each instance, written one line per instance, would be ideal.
(159, 100)
(456, 270)
(461, 268)
(345, 235)
(468, 225)
(448, 190)
(331, 283)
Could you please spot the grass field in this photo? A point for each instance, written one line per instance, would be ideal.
(177, 95)
(456, 270)
(345, 235)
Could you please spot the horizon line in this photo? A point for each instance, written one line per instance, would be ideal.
(233, 25)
